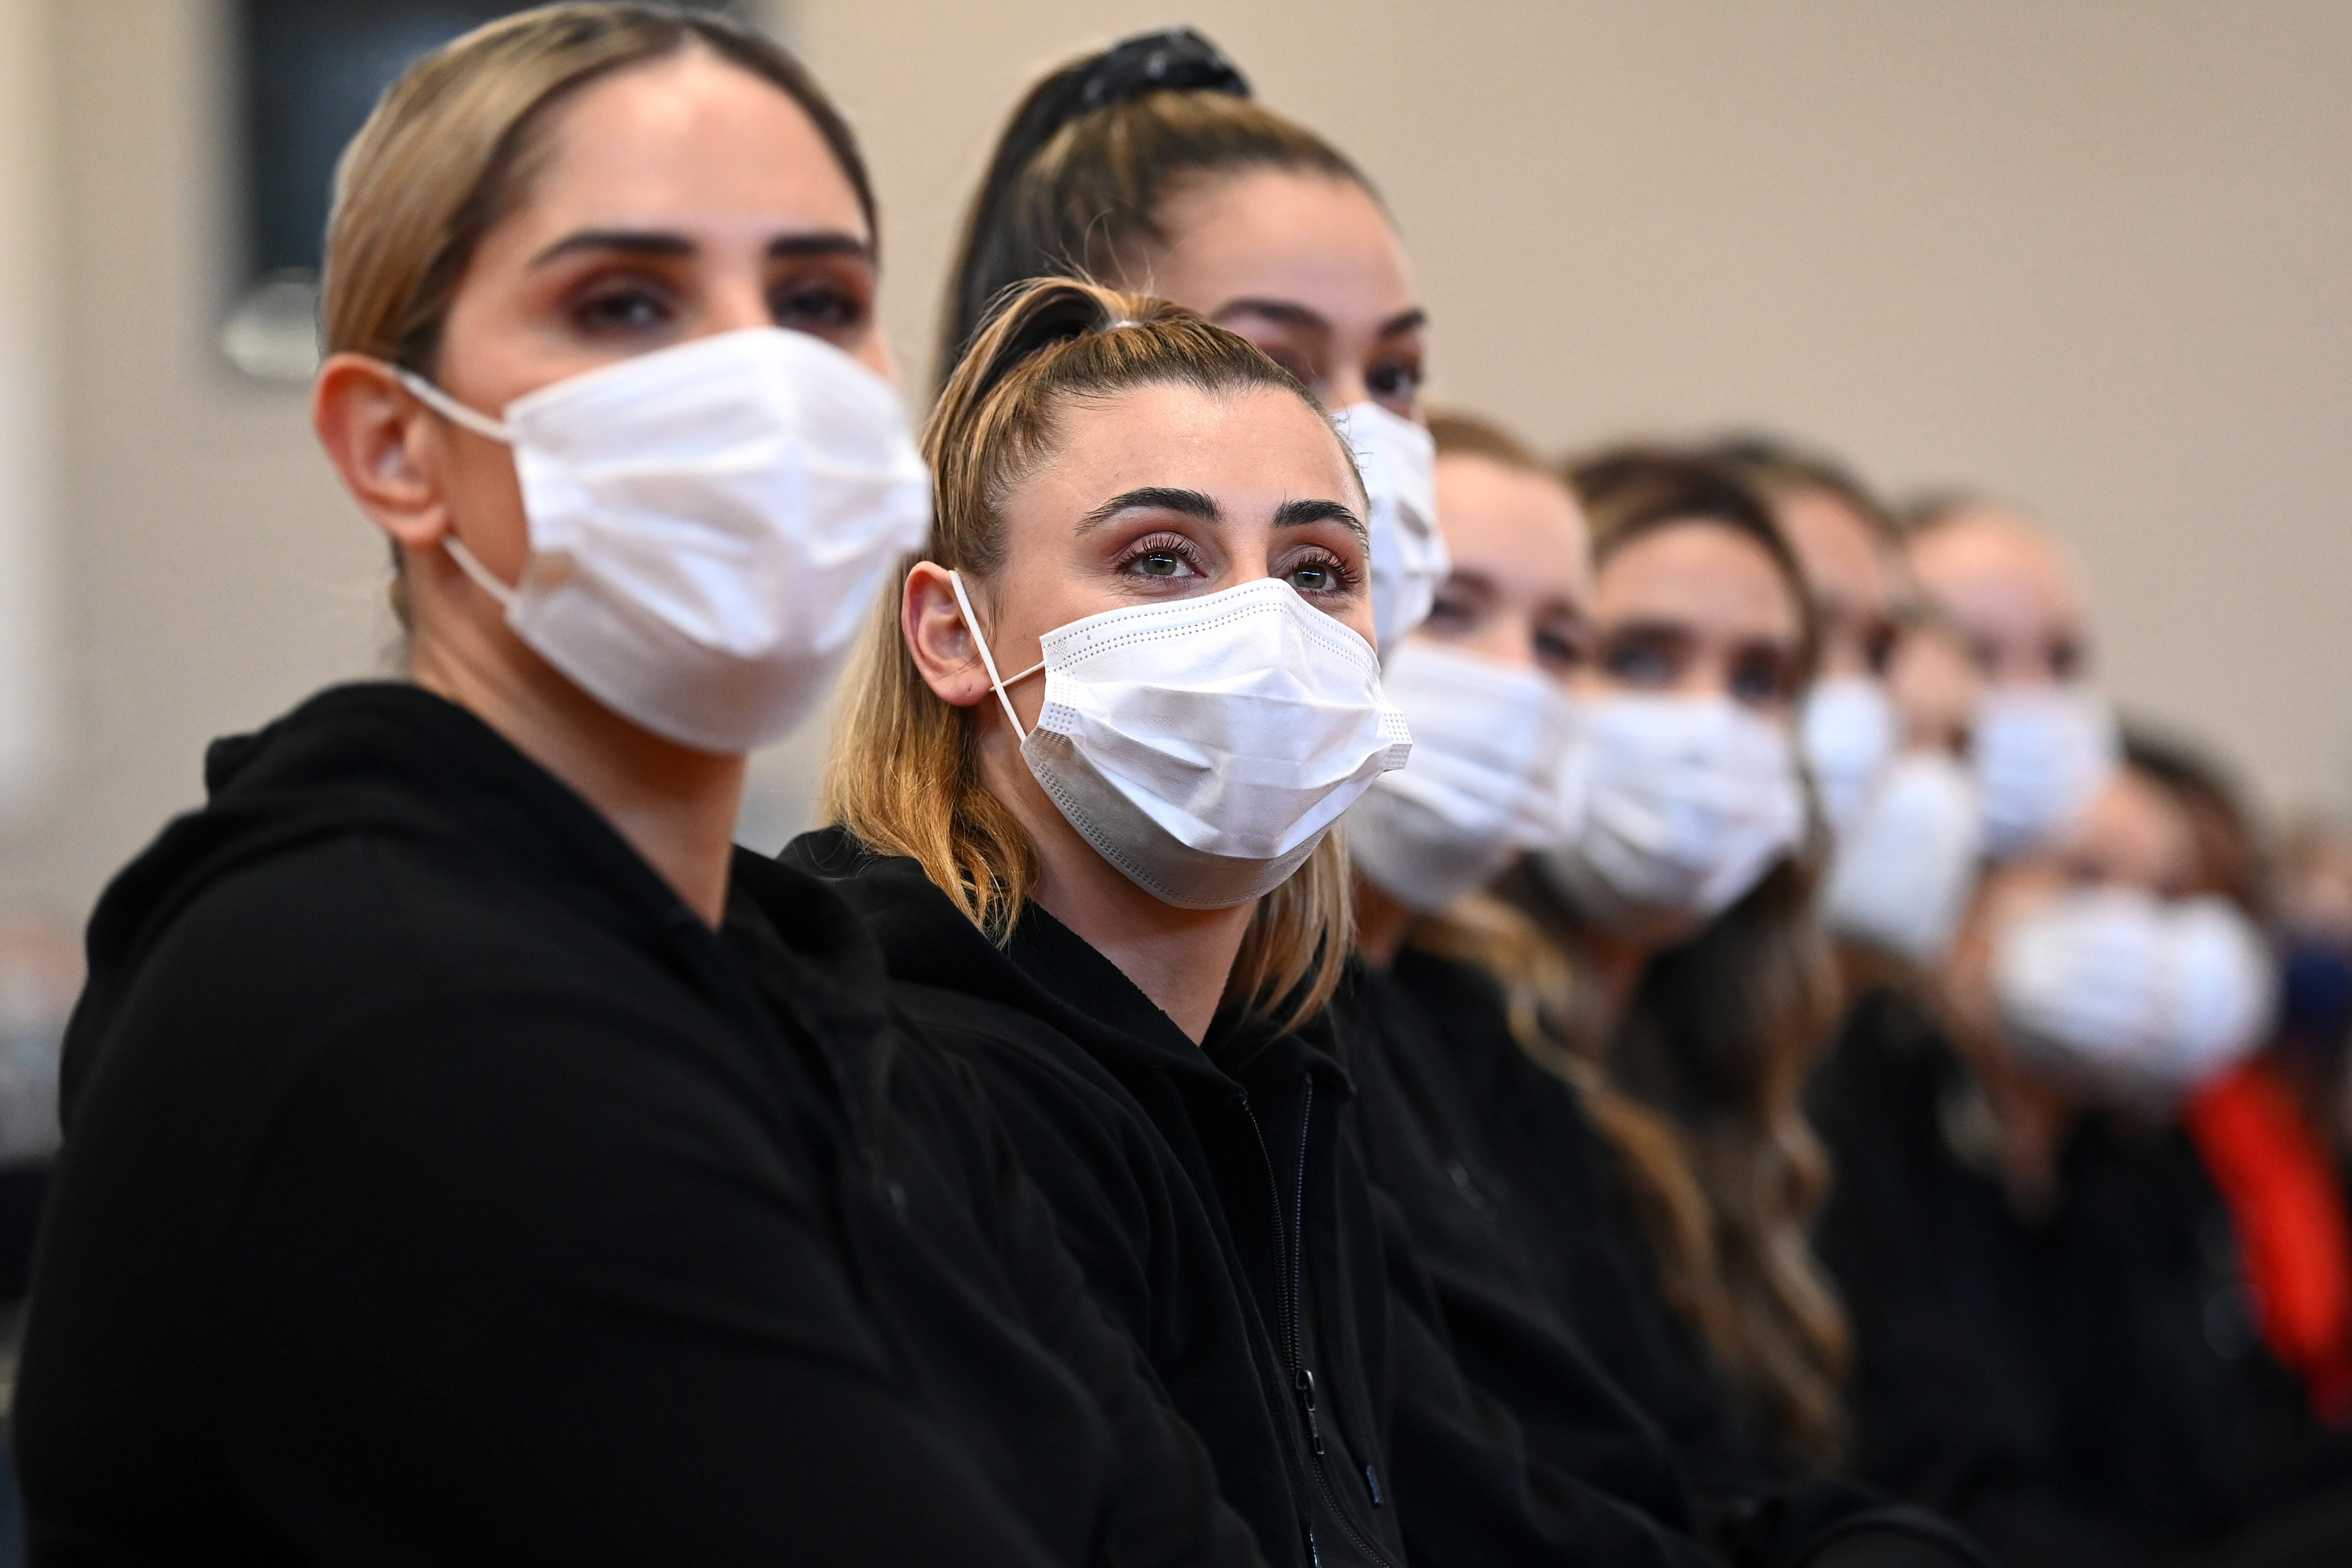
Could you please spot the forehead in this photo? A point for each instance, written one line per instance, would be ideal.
(1490, 508)
(2136, 829)
(1281, 234)
(1255, 441)
(1699, 572)
(688, 140)
(1831, 539)
(1989, 566)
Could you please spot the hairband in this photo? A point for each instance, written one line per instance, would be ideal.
(1176, 59)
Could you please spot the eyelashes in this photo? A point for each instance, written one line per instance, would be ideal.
(1344, 576)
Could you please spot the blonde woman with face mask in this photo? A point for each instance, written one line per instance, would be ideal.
(472, 1158)
(1086, 787)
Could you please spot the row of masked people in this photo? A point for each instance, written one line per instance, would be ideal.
(1294, 1045)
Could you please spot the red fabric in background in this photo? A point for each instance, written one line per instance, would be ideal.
(2293, 1230)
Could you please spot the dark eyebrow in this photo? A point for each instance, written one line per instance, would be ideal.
(660, 242)
(833, 242)
(1154, 498)
(1286, 310)
(1299, 513)
(1410, 321)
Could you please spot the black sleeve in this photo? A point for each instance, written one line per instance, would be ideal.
(1165, 1507)
(506, 1288)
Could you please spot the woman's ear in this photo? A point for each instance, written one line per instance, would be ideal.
(380, 439)
(944, 648)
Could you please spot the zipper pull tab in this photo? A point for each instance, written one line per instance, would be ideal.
(1304, 1382)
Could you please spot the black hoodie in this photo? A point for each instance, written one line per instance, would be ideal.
(439, 1188)
(1540, 1268)
(1217, 1200)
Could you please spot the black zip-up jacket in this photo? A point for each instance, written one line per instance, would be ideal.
(1254, 1278)
(438, 1188)
(1517, 1212)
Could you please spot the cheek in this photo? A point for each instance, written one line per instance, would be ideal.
(486, 505)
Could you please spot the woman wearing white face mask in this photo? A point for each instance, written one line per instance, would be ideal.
(1692, 975)
(1085, 787)
(1151, 166)
(2047, 1286)
(472, 1160)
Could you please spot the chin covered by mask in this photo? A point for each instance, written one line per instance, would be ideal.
(1688, 802)
(2043, 754)
(1847, 726)
(1204, 746)
(1492, 776)
(1398, 464)
(1901, 873)
(2131, 998)
(710, 526)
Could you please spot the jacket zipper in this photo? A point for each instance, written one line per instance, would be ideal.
(1302, 1379)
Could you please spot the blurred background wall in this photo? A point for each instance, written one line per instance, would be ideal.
(2097, 257)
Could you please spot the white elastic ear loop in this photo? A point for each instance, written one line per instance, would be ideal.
(988, 659)
(450, 408)
(457, 412)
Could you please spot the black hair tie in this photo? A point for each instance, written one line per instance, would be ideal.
(1175, 60)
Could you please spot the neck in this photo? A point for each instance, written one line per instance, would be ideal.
(674, 806)
(1180, 959)
(1382, 923)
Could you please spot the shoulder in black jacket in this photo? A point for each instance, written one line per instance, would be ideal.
(438, 1188)
(1217, 1196)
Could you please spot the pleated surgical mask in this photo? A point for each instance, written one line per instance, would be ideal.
(1901, 872)
(1688, 802)
(1205, 745)
(2129, 997)
(709, 525)
(1847, 727)
(1398, 463)
(2043, 754)
(1493, 776)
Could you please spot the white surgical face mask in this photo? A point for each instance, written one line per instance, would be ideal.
(2041, 755)
(1399, 462)
(1847, 727)
(1491, 776)
(1903, 870)
(709, 524)
(1688, 802)
(2132, 998)
(1204, 746)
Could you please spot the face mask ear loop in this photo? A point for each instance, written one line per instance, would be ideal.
(450, 408)
(988, 659)
(480, 424)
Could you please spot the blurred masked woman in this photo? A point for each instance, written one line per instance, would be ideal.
(1684, 979)
(2061, 1292)
(470, 1159)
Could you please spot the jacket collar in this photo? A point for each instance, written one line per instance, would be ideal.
(1048, 972)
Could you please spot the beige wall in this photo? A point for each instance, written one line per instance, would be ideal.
(2098, 256)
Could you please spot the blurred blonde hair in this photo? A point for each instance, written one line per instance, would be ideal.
(905, 775)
